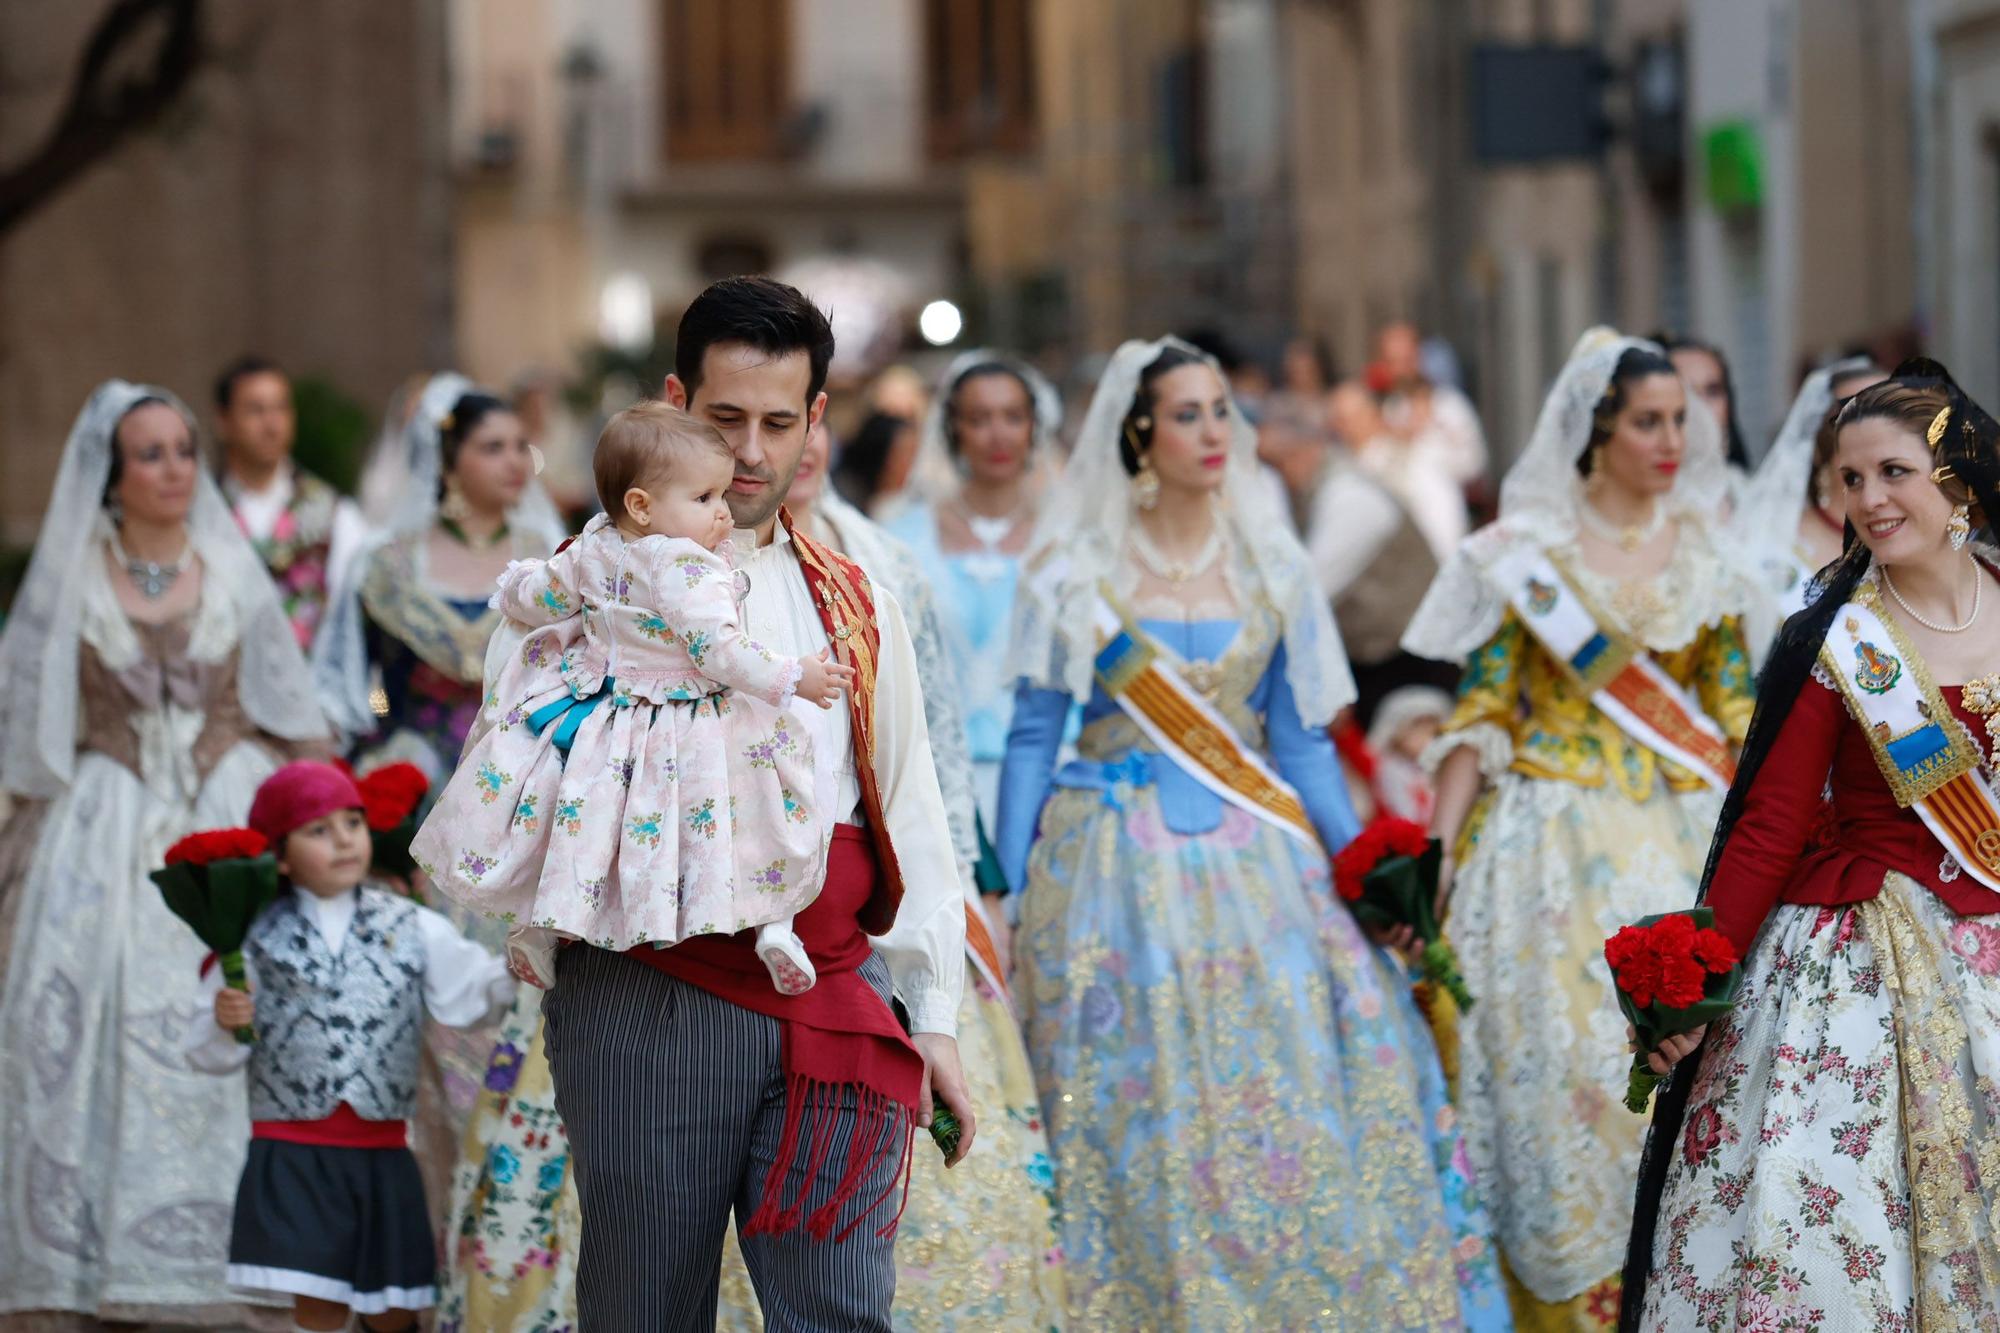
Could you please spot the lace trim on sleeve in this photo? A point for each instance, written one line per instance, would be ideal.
(1488, 740)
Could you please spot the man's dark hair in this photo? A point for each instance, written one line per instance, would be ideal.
(758, 312)
(240, 368)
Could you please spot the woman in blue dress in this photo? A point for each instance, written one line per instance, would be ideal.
(1246, 1110)
(977, 479)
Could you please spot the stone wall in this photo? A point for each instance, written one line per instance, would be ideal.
(296, 204)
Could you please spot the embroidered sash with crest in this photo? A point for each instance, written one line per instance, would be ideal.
(1188, 730)
(1625, 683)
(1928, 758)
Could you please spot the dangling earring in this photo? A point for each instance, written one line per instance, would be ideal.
(1593, 481)
(453, 507)
(1958, 528)
(1145, 482)
(1146, 485)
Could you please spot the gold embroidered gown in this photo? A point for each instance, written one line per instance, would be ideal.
(1580, 830)
(1246, 1109)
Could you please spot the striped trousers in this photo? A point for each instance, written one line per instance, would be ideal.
(675, 1104)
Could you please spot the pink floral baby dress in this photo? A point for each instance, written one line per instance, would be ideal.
(683, 806)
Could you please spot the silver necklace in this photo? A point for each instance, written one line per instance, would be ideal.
(1176, 572)
(1629, 538)
(151, 577)
(1978, 586)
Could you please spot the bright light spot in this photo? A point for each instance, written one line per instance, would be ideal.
(625, 311)
(1066, 1096)
(940, 323)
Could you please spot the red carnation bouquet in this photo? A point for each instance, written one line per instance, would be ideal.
(390, 797)
(1390, 875)
(218, 882)
(1674, 973)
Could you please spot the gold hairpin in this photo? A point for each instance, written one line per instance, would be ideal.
(1941, 475)
(1936, 433)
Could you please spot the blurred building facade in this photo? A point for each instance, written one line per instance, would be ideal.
(369, 188)
(615, 156)
(291, 202)
(1787, 180)
(1958, 200)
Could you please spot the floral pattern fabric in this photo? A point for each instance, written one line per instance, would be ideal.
(510, 1238)
(1555, 869)
(297, 550)
(683, 804)
(1248, 1119)
(1839, 1165)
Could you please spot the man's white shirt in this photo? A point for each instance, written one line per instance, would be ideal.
(925, 949)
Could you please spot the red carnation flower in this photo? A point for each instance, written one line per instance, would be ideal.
(1386, 837)
(227, 844)
(1666, 970)
(391, 794)
(1714, 951)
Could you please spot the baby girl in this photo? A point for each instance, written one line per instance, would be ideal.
(642, 779)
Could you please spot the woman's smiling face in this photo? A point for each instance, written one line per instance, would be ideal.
(1883, 470)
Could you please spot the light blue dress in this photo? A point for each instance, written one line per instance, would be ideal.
(975, 599)
(1249, 1122)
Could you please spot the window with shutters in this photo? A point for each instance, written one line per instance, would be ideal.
(979, 79)
(726, 66)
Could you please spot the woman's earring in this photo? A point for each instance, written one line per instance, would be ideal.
(1958, 528)
(453, 505)
(1146, 485)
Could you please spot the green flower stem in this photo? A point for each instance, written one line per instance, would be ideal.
(1639, 1085)
(1440, 968)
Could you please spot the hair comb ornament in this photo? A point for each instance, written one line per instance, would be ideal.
(1935, 435)
(448, 421)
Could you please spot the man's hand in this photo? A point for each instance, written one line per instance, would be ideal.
(943, 1076)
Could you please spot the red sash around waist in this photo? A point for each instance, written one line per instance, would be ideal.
(839, 1037)
(343, 1129)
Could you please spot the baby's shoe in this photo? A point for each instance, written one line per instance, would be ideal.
(785, 955)
(531, 955)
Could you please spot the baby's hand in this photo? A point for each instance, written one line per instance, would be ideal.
(234, 1009)
(822, 680)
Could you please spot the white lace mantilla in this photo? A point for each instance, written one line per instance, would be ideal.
(1697, 587)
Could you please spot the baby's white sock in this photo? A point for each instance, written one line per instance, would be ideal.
(785, 955)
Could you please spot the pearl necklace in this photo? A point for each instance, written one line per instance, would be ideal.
(1176, 572)
(1626, 538)
(1978, 586)
(151, 577)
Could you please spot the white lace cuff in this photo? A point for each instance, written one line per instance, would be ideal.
(1488, 740)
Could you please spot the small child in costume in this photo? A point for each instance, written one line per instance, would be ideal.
(642, 779)
(330, 1209)
(1406, 721)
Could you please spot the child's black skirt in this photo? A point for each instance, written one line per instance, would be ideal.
(342, 1224)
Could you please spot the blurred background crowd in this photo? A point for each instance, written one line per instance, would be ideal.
(1344, 198)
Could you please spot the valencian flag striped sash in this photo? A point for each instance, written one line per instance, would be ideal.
(1930, 761)
(1625, 684)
